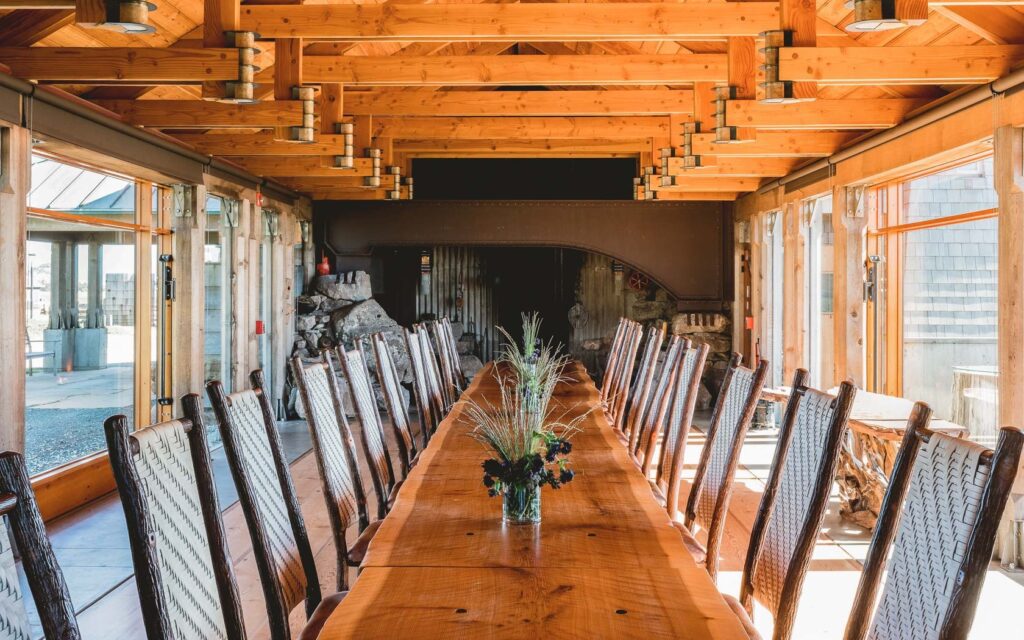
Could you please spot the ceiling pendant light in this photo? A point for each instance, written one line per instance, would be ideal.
(124, 16)
(874, 15)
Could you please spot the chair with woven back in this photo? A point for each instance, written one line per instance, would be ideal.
(634, 413)
(614, 352)
(183, 571)
(375, 448)
(450, 386)
(683, 393)
(335, 452)
(429, 404)
(648, 432)
(433, 370)
(453, 349)
(939, 517)
(252, 446)
(624, 374)
(794, 502)
(21, 523)
(708, 503)
(394, 400)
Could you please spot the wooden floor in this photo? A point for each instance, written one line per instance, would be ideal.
(94, 554)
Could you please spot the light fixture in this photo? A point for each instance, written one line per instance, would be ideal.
(874, 15)
(124, 16)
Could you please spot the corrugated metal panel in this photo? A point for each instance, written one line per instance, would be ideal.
(599, 305)
(461, 289)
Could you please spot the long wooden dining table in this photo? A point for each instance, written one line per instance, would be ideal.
(605, 561)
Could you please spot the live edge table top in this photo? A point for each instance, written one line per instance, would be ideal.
(604, 563)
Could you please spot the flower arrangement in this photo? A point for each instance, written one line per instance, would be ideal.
(530, 444)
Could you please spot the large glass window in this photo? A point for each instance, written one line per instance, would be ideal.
(939, 233)
(217, 267)
(81, 290)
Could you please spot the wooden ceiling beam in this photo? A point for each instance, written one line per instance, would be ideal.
(820, 114)
(301, 166)
(201, 114)
(791, 144)
(505, 147)
(456, 128)
(516, 70)
(121, 64)
(519, 103)
(997, 25)
(736, 167)
(25, 28)
(697, 196)
(557, 22)
(899, 65)
(261, 144)
(709, 184)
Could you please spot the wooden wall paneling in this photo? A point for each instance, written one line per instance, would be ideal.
(849, 223)
(188, 316)
(15, 182)
(1009, 181)
(793, 289)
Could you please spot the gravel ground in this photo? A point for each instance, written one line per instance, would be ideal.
(56, 436)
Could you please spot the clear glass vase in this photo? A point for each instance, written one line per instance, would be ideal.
(521, 505)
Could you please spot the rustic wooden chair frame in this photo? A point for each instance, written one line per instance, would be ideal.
(453, 348)
(640, 397)
(387, 375)
(123, 448)
(819, 491)
(449, 389)
(649, 431)
(615, 364)
(45, 579)
(716, 527)
(278, 608)
(680, 418)
(625, 376)
(966, 582)
(382, 473)
(428, 405)
(614, 351)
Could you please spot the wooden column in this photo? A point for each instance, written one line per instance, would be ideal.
(243, 287)
(1009, 182)
(849, 223)
(793, 291)
(15, 181)
(282, 306)
(219, 17)
(188, 314)
(287, 75)
(800, 18)
(757, 283)
(143, 304)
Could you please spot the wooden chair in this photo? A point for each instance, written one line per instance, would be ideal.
(453, 349)
(391, 387)
(183, 570)
(449, 385)
(375, 446)
(649, 429)
(941, 535)
(683, 399)
(434, 378)
(335, 452)
(20, 520)
(614, 352)
(280, 544)
(624, 374)
(794, 502)
(639, 400)
(711, 490)
(429, 404)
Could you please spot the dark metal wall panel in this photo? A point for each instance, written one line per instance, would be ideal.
(685, 247)
(10, 106)
(461, 290)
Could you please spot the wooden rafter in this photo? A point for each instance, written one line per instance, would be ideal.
(121, 64)
(195, 114)
(899, 65)
(821, 114)
(519, 103)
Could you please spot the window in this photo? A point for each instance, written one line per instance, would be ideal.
(818, 294)
(218, 273)
(938, 235)
(88, 313)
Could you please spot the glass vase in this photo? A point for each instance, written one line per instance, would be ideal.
(521, 505)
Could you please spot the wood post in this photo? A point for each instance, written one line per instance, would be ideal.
(793, 290)
(188, 311)
(15, 178)
(242, 290)
(849, 222)
(1009, 182)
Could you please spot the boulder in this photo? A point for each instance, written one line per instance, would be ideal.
(308, 304)
(305, 322)
(703, 398)
(353, 286)
(686, 323)
(355, 322)
(458, 330)
(465, 344)
(471, 365)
